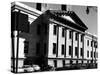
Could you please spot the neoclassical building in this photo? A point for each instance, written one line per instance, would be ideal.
(57, 38)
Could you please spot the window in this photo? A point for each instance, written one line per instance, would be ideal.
(91, 54)
(81, 52)
(55, 63)
(55, 30)
(45, 48)
(37, 48)
(76, 51)
(76, 36)
(63, 7)
(91, 43)
(95, 44)
(94, 54)
(70, 50)
(71, 62)
(70, 34)
(63, 34)
(26, 46)
(87, 42)
(87, 53)
(54, 48)
(63, 63)
(81, 38)
(38, 6)
(38, 29)
(62, 49)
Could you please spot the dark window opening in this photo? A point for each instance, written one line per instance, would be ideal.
(76, 37)
(81, 38)
(26, 46)
(38, 6)
(81, 52)
(91, 43)
(94, 54)
(63, 49)
(95, 44)
(45, 48)
(55, 30)
(76, 61)
(38, 48)
(70, 34)
(91, 54)
(63, 32)
(87, 53)
(71, 62)
(87, 42)
(63, 7)
(63, 63)
(54, 48)
(55, 63)
(76, 51)
(70, 50)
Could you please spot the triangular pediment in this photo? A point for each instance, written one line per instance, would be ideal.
(68, 18)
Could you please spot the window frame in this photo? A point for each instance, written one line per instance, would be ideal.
(26, 47)
(63, 49)
(70, 50)
(70, 34)
(54, 30)
(76, 51)
(54, 48)
(63, 32)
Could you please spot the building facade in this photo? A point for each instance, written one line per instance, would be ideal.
(57, 38)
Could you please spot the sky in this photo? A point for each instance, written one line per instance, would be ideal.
(90, 20)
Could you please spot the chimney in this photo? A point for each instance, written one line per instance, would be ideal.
(38, 6)
(63, 7)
